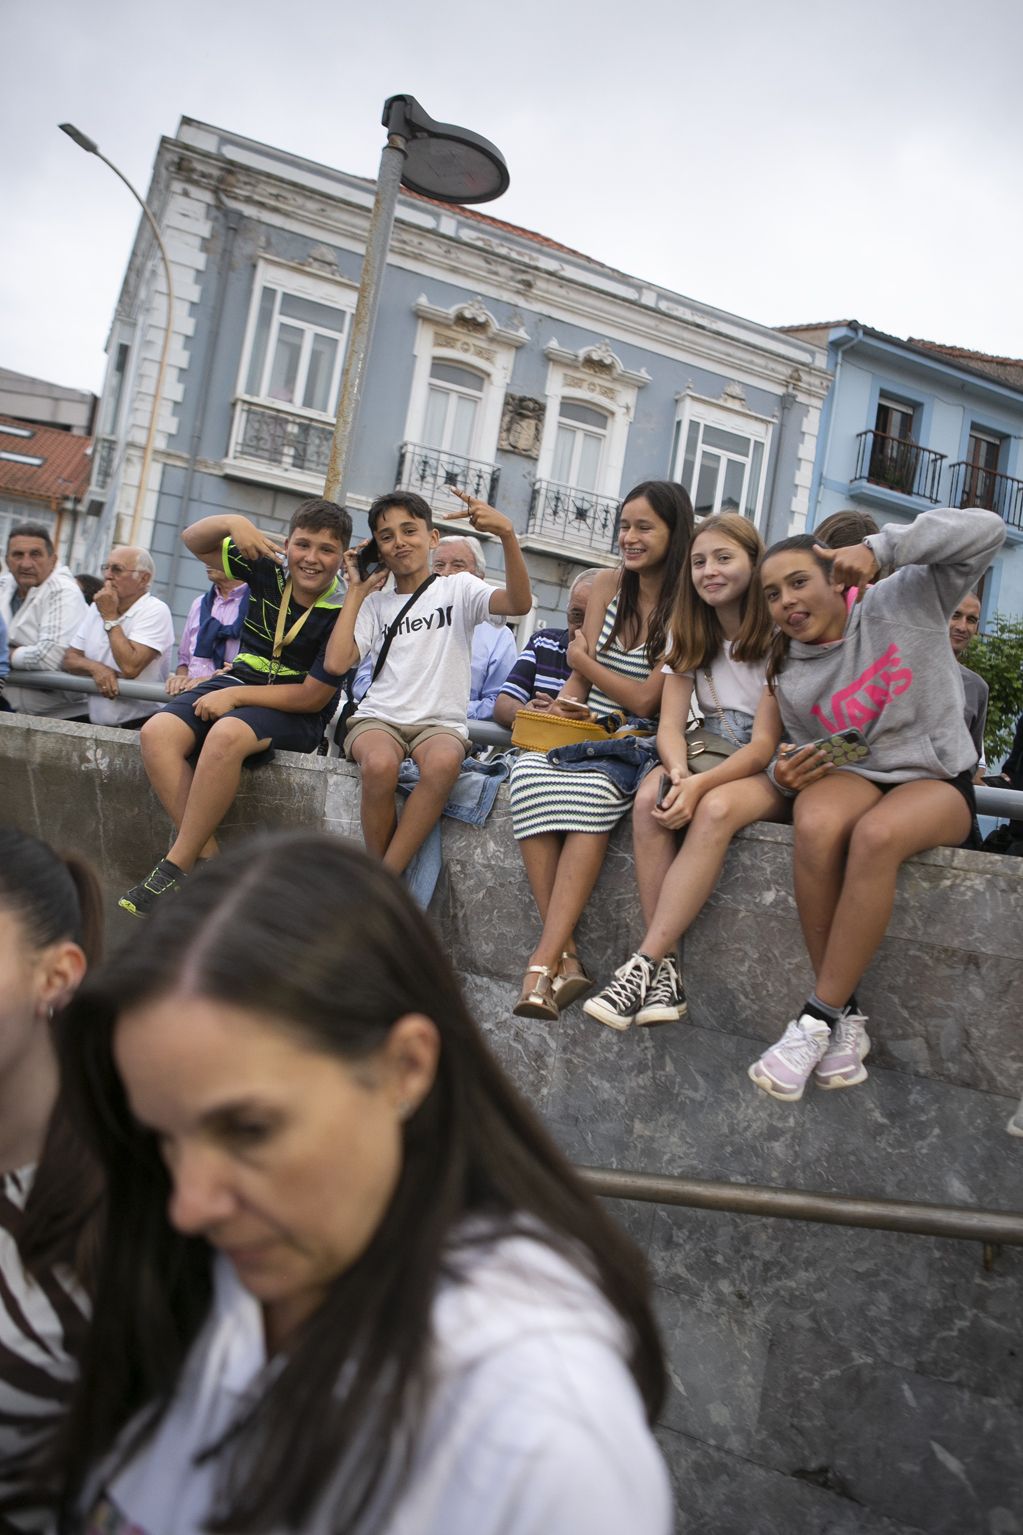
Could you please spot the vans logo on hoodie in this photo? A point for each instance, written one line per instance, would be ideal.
(864, 699)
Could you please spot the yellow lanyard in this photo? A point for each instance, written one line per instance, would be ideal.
(280, 638)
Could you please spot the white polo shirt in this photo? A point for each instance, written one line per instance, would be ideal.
(147, 622)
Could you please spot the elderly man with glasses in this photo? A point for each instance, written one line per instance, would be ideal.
(126, 633)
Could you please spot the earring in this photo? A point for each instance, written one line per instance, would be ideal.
(405, 1110)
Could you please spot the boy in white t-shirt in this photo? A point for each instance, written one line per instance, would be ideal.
(416, 703)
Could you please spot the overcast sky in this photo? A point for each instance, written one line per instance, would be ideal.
(793, 161)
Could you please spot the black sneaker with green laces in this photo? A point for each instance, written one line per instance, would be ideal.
(141, 898)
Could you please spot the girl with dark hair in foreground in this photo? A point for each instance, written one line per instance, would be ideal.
(50, 929)
(351, 1285)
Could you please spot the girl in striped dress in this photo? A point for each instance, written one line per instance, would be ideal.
(49, 930)
(563, 819)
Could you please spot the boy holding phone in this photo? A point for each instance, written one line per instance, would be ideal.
(416, 703)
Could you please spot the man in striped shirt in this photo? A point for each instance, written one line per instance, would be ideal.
(542, 669)
(42, 606)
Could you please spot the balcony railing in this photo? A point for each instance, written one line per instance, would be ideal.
(280, 438)
(973, 486)
(898, 464)
(571, 516)
(432, 473)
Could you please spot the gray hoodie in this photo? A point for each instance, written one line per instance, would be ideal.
(893, 674)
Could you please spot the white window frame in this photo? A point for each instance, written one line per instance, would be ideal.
(456, 391)
(726, 418)
(487, 349)
(610, 388)
(298, 283)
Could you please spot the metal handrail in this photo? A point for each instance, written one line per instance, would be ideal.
(959, 1222)
(481, 732)
(997, 802)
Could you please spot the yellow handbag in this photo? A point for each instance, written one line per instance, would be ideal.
(536, 730)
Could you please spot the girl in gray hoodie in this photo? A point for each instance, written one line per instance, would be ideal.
(884, 666)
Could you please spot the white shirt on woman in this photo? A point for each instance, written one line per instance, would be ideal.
(533, 1426)
(738, 684)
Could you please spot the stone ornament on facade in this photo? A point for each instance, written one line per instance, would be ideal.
(598, 359)
(580, 381)
(734, 392)
(467, 348)
(473, 317)
(521, 425)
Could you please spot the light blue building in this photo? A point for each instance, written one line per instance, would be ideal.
(912, 424)
(502, 362)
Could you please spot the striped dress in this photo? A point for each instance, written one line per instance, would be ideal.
(545, 798)
(41, 1328)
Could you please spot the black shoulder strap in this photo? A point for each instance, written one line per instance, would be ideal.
(392, 629)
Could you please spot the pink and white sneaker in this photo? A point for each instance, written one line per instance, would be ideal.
(783, 1071)
(841, 1065)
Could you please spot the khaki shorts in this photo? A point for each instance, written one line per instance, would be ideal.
(408, 736)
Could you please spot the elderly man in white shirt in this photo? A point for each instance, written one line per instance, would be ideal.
(42, 605)
(126, 633)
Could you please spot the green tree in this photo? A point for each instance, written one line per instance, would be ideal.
(997, 656)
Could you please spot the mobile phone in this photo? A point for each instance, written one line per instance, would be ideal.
(662, 792)
(842, 748)
(368, 561)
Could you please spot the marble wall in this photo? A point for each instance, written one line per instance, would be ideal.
(822, 1379)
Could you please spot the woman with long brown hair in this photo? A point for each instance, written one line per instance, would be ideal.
(351, 1285)
(720, 636)
(563, 818)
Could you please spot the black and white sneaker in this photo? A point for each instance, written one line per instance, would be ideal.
(618, 1004)
(666, 999)
(141, 898)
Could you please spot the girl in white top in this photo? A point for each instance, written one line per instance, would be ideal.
(720, 638)
(351, 1285)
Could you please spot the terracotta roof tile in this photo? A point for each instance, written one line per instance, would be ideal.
(64, 471)
(512, 229)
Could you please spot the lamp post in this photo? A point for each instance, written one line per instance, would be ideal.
(90, 147)
(438, 160)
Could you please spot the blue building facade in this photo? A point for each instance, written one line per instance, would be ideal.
(502, 362)
(911, 424)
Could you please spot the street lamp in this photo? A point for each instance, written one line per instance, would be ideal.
(90, 147)
(438, 160)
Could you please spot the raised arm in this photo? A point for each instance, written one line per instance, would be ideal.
(515, 597)
(205, 538)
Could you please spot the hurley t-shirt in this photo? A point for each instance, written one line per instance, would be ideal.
(428, 670)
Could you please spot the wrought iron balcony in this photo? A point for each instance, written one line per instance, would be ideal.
(570, 516)
(973, 486)
(898, 464)
(432, 473)
(280, 438)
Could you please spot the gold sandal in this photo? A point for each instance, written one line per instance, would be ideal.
(537, 1000)
(569, 988)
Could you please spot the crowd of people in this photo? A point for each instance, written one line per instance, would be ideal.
(204, 1326)
(819, 681)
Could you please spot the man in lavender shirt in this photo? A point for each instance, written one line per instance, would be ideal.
(205, 646)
